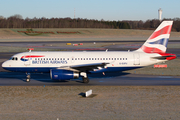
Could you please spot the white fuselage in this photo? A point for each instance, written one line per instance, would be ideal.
(44, 61)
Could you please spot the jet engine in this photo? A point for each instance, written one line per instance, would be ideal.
(59, 74)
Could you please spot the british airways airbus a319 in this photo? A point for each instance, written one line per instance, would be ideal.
(72, 65)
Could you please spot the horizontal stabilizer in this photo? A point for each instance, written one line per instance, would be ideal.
(166, 56)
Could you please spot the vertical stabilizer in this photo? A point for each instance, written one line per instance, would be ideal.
(157, 42)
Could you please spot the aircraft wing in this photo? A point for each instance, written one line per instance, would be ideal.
(84, 67)
(88, 67)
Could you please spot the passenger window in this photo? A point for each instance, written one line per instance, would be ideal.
(63, 58)
(114, 58)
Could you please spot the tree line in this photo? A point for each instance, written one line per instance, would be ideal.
(17, 21)
(153, 24)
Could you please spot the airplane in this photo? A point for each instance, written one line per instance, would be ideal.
(71, 65)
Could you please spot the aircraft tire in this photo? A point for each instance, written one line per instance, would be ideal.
(28, 80)
(85, 80)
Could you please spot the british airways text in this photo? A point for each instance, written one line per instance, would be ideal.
(49, 62)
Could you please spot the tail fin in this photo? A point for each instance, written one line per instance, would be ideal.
(157, 42)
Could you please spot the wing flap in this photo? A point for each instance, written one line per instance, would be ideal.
(83, 67)
(88, 67)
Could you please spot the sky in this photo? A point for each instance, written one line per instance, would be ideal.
(91, 9)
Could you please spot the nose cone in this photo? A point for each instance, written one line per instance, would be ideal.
(5, 65)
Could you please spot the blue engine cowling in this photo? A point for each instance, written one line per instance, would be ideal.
(58, 74)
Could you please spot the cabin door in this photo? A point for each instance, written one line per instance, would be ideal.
(136, 59)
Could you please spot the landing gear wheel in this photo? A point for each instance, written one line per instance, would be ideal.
(85, 80)
(27, 80)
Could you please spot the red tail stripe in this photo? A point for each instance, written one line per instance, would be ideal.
(151, 50)
(165, 30)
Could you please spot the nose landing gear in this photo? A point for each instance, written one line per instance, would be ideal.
(28, 77)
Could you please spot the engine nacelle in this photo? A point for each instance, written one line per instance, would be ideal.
(58, 74)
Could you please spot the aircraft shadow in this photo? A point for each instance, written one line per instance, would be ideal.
(45, 77)
(107, 74)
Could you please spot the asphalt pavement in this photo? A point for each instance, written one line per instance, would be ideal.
(110, 79)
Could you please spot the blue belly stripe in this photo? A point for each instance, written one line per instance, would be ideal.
(47, 69)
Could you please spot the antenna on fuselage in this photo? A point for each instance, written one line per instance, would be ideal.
(30, 49)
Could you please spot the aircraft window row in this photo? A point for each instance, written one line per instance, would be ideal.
(99, 58)
(14, 58)
(81, 58)
(51, 59)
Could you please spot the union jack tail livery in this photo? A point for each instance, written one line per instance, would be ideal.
(157, 42)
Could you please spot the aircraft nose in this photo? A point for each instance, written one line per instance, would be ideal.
(5, 64)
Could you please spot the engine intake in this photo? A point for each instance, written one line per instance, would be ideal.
(58, 74)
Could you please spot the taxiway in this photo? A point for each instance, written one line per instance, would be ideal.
(111, 79)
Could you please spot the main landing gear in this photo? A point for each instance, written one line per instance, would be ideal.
(84, 78)
(28, 77)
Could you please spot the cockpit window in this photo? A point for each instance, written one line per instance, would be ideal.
(14, 58)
